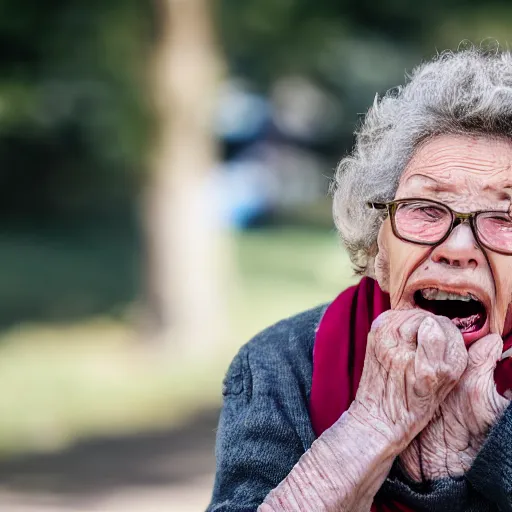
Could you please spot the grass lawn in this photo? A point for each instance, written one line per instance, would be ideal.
(62, 380)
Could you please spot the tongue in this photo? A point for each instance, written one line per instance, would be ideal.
(468, 323)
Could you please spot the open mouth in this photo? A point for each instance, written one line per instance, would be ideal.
(466, 311)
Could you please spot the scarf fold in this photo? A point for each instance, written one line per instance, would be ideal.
(338, 358)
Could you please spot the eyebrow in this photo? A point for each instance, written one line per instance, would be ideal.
(504, 193)
(427, 181)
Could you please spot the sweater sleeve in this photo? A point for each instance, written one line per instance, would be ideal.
(265, 428)
(264, 425)
(491, 473)
(447, 494)
(486, 486)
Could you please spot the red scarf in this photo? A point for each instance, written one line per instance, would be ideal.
(338, 358)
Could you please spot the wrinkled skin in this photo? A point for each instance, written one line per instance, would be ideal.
(427, 392)
(451, 441)
(468, 174)
(413, 360)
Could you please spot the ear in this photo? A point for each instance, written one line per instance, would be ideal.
(381, 264)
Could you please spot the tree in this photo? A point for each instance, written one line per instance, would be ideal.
(184, 247)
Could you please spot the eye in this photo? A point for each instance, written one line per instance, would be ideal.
(431, 212)
(495, 230)
(425, 212)
(500, 222)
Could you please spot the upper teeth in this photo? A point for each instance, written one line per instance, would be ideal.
(434, 294)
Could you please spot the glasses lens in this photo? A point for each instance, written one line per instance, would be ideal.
(495, 231)
(422, 221)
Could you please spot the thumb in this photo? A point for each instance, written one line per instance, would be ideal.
(485, 352)
(483, 356)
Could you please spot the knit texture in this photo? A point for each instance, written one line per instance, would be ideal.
(265, 428)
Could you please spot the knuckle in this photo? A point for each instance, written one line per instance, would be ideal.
(438, 373)
(444, 322)
(406, 330)
(442, 368)
(449, 377)
(383, 354)
(381, 320)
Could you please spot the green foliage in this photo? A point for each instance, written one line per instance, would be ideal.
(74, 119)
(72, 114)
(265, 38)
(74, 129)
(352, 49)
(91, 377)
(66, 274)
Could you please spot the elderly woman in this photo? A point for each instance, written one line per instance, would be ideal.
(393, 397)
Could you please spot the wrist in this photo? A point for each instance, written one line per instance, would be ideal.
(358, 452)
(343, 469)
(356, 443)
(377, 431)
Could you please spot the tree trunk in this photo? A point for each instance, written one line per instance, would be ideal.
(186, 250)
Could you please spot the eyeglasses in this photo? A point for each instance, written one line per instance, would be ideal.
(426, 222)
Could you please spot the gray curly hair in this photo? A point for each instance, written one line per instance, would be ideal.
(463, 92)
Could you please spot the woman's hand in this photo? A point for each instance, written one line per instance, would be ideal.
(450, 442)
(413, 360)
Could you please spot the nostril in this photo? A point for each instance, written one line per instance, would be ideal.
(446, 261)
(471, 263)
(459, 250)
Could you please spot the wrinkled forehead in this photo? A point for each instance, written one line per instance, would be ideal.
(477, 169)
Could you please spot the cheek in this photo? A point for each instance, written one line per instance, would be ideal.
(404, 260)
(395, 262)
(382, 258)
(502, 277)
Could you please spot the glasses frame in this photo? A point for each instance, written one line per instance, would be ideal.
(457, 218)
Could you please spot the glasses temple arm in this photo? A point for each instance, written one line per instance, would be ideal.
(377, 206)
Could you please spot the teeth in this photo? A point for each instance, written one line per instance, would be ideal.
(435, 294)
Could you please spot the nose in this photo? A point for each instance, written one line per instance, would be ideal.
(460, 249)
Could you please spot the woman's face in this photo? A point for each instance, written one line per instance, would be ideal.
(467, 173)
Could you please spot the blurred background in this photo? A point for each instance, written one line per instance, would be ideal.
(164, 175)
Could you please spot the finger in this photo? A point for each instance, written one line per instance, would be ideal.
(483, 356)
(456, 353)
(408, 330)
(430, 352)
(433, 339)
(380, 321)
(441, 357)
(485, 352)
(393, 328)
